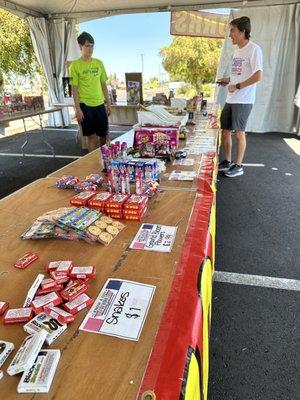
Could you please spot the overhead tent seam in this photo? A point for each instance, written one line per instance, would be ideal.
(169, 6)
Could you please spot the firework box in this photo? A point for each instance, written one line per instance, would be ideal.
(60, 265)
(26, 260)
(49, 299)
(48, 283)
(154, 134)
(61, 315)
(98, 201)
(3, 307)
(33, 289)
(81, 302)
(38, 378)
(5, 350)
(74, 291)
(135, 202)
(134, 215)
(59, 279)
(44, 321)
(82, 198)
(17, 315)
(25, 356)
(116, 201)
(83, 272)
(42, 292)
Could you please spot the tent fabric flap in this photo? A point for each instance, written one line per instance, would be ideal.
(52, 41)
(279, 37)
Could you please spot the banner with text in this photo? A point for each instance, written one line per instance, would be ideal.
(199, 23)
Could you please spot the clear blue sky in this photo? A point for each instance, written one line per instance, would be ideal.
(120, 41)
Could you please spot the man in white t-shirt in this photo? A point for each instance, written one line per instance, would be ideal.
(246, 71)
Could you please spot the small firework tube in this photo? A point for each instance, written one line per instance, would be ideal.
(78, 304)
(17, 315)
(25, 356)
(61, 315)
(5, 350)
(83, 272)
(49, 299)
(74, 291)
(26, 260)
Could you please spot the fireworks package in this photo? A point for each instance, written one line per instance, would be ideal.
(82, 198)
(38, 378)
(39, 303)
(45, 322)
(26, 260)
(71, 292)
(61, 267)
(33, 289)
(5, 350)
(81, 302)
(3, 307)
(17, 315)
(83, 272)
(62, 316)
(27, 353)
(99, 200)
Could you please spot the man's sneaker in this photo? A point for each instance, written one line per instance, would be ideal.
(234, 170)
(225, 165)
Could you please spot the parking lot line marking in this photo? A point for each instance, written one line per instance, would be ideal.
(253, 165)
(256, 280)
(37, 155)
(61, 129)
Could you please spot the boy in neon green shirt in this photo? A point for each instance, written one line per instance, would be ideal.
(88, 79)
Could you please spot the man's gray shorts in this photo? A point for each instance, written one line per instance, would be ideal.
(234, 117)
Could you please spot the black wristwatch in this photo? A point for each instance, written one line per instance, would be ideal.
(238, 85)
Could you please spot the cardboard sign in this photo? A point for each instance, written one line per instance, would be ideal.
(154, 237)
(120, 309)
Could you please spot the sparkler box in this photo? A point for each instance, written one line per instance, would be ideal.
(38, 378)
(25, 356)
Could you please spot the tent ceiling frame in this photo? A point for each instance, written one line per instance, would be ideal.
(88, 15)
(12, 7)
(216, 4)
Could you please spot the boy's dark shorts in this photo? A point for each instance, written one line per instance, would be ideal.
(95, 120)
(234, 117)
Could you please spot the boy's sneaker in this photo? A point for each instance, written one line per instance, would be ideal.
(225, 165)
(234, 170)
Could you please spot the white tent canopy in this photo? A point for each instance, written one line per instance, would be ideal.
(53, 31)
(84, 10)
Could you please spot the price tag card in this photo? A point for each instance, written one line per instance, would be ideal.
(154, 237)
(120, 309)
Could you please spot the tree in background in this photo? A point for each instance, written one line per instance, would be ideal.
(16, 51)
(192, 60)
